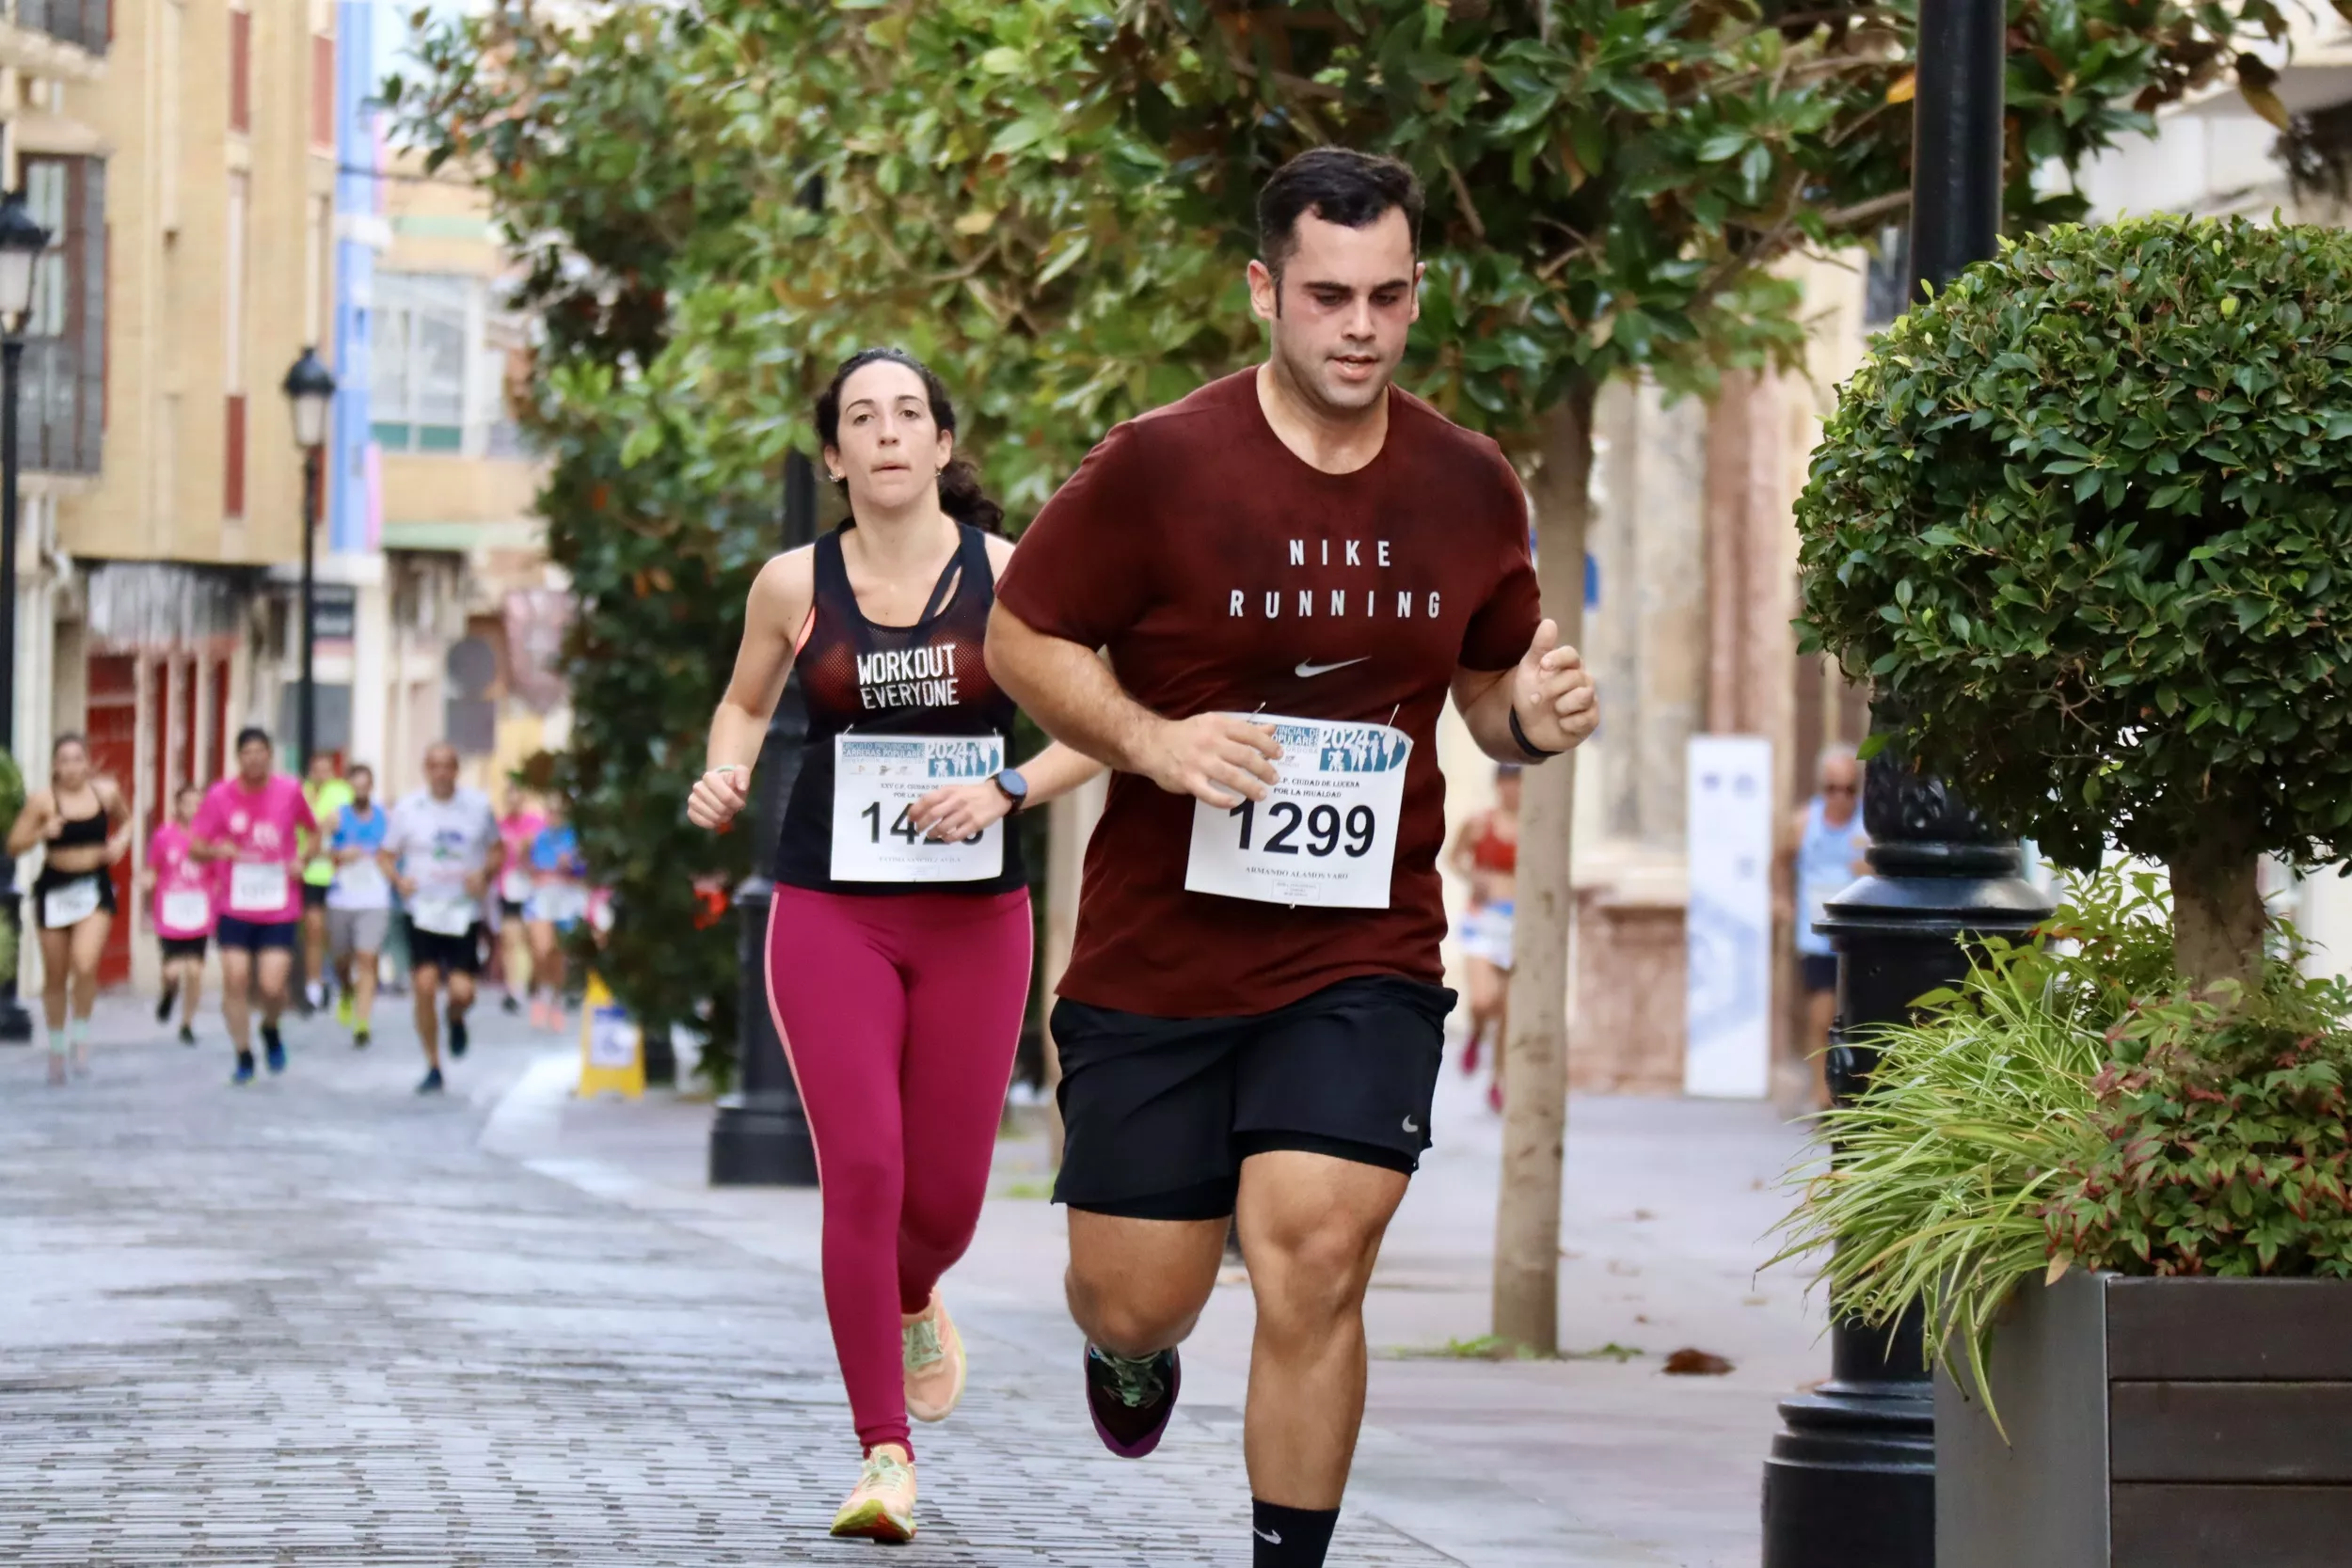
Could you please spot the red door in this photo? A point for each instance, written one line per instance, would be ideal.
(113, 729)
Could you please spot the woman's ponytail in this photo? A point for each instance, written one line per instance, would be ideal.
(962, 497)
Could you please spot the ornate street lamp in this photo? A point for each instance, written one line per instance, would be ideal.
(21, 241)
(1851, 1480)
(310, 393)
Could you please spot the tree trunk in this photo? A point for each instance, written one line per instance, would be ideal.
(2217, 913)
(1536, 1107)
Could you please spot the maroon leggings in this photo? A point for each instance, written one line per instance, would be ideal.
(900, 1015)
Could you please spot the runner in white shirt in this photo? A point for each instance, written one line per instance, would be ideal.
(443, 855)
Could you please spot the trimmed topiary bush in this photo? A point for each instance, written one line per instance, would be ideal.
(2087, 519)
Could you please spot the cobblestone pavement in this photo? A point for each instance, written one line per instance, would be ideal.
(314, 1322)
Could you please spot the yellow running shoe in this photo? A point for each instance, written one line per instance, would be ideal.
(934, 1362)
(882, 1508)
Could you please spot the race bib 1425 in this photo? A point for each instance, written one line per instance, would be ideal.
(876, 782)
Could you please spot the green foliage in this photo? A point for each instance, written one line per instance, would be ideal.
(2225, 1140)
(1050, 200)
(568, 131)
(2072, 1103)
(2083, 516)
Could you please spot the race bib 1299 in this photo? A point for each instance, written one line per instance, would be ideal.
(877, 779)
(1324, 835)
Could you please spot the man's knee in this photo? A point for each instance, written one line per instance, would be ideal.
(1136, 1300)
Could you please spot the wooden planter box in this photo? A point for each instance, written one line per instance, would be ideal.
(2155, 1423)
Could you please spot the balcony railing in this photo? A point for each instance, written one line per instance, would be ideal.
(61, 409)
(76, 21)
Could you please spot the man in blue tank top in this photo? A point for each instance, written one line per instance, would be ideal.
(1821, 854)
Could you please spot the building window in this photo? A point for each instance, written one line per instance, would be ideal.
(241, 71)
(232, 468)
(62, 411)
(417, 394)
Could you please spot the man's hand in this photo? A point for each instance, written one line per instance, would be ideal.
(953, 812)
(717, 795)
(1553, 693)
(477, 883)
(407, 885)
(1221, 759)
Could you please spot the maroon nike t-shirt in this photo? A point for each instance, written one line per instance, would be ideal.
(1225, 574)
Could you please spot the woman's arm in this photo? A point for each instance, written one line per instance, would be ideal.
(1458, 855)
(779, 604)
(32, 823)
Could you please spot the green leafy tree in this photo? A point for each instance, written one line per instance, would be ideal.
(568, 129)
(2083, 517)
(1050, 200)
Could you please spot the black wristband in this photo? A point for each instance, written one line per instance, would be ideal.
(1534, 752)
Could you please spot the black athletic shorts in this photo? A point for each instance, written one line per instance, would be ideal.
(1159, 1113)
(450, 955)
(1818, 971)
(176, 948)
(314, 896)
(237, 934)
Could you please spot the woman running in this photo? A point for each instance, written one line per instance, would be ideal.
(899, 942)
(183, 909)
(518, 827)
(557, 900)
(84, 827)
(1485, 852)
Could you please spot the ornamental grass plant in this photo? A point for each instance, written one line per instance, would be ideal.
(2075, 1103)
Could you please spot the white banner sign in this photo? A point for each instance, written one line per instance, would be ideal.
(1728, 928)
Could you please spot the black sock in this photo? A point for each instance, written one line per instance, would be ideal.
(1291, 1537)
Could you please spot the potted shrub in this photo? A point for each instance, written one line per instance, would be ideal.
(2083, 517)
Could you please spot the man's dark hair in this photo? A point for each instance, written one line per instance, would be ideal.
(1338, 185)
(250, 734)
(359, 767)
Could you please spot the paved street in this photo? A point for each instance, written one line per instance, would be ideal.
(319, 1321)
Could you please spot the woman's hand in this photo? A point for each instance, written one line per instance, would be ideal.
(958, 812)
(717, 795)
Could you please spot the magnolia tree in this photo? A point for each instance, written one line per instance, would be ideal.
(2084, 519)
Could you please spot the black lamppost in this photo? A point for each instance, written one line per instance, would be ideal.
(760, 1136)
(1852, 1482)
(21, 241)
(310, 393)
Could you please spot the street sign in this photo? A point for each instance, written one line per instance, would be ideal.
(334, 611)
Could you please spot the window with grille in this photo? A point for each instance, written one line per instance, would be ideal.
(418, 355)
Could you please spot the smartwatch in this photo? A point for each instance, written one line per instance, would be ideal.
(1014, 787)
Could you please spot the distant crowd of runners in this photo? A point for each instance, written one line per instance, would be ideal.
(272, 872)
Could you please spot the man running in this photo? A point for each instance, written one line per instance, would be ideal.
(1290, 569)
(358, 904)
(442, 852)
(327, 795)
(254, 820)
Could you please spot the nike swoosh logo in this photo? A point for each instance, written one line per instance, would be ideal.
(1271, 1537)
(1410, 1125)
(1308, 670)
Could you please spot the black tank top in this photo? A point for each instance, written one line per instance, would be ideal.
(928, 679)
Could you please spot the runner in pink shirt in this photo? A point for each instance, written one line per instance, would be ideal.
(517, 830)
(183, 909)
(252, 824)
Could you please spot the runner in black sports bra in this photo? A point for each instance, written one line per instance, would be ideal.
(72, 902)
(863, 679)
(899, 941)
